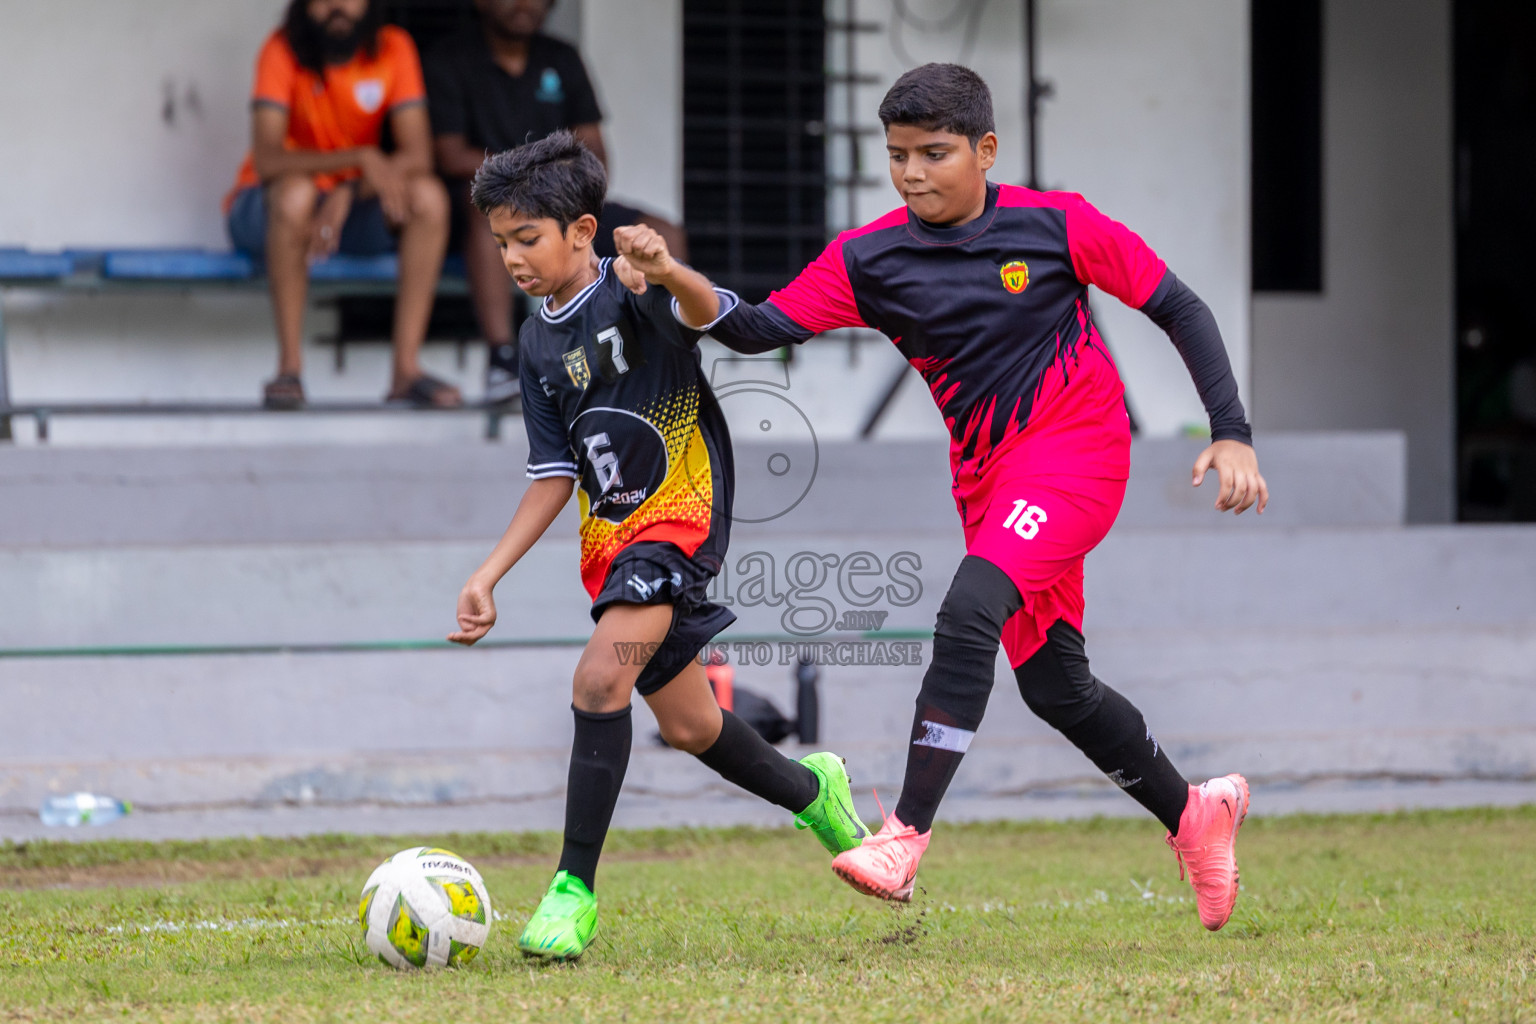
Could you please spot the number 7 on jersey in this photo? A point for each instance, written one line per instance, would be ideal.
(612, 336)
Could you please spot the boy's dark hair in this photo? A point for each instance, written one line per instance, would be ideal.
(940, 98)
(314, 48)
(554, 177)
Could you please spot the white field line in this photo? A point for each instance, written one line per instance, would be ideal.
(248, 924)
(254, 924)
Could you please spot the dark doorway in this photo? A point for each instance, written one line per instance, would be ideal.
(430, 20)
(1286, 104)
(1495, 62)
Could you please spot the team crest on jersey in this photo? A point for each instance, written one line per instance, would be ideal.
(576, 366)
(1015, 276)
(369, 94)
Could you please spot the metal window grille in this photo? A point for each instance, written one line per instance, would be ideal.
(754, 129)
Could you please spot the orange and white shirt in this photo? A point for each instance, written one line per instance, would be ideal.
(341, 109)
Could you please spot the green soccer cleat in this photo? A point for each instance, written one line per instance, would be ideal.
(831, 815)
(564, 923)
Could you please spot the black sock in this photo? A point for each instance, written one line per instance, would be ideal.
(1119, 743)
(1058, 686)
(743, 757)
(939, 743)
(599, 758)
(956, 686)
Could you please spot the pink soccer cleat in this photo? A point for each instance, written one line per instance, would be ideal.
(886, 863)
(1206, 842)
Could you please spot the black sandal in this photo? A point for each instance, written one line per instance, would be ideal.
(427, 392)
(285, 392)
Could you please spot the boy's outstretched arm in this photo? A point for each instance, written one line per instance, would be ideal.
(644, 259)
(1108, 254)
(753, 330)
(541, 504)
(818, 299)
(1191, 326)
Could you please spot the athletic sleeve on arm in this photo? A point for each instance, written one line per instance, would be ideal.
(1188, 321)
(276, 70)
(729, 300)
(549, 449)
(405, 80)
(1109, 254)
(660, 308)
(819, 299)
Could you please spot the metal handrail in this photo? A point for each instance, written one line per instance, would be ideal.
(42, 412)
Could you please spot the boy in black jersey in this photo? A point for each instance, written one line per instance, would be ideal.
(614, 398)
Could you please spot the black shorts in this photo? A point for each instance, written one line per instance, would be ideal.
(652, 572)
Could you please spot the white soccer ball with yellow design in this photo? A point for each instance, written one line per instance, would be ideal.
(425, 907)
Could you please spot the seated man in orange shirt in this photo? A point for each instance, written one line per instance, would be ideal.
(316, 181)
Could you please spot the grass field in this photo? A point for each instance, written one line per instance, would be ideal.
(1408, 917)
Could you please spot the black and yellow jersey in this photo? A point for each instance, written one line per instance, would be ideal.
(614, 395)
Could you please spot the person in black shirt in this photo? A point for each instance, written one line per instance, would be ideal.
(492, 88)
(504, 83)
(615, 399)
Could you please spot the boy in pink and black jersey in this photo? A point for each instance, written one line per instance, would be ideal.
(983, 288)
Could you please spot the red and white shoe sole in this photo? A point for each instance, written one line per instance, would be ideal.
(902, 895)
(1241, 785)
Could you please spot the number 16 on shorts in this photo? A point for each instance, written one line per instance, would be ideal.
(1025, 519)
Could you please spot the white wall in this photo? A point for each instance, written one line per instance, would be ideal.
(994, 51)
(1375, 350)
(89, 156)
(634, 53)
(91, 161)
(1149, 121)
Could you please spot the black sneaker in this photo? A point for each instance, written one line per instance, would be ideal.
(501, 377)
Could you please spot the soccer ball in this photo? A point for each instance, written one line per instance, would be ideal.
(425, 907)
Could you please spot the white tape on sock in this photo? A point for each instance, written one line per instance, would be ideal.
(944, 737)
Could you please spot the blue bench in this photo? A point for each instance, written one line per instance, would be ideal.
(193, 266)
(22, 265)
(97, 270)
(176, 265)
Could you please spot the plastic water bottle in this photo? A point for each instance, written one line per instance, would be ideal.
(807, 702)
(83, 809)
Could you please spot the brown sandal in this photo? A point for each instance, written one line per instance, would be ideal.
(427, 392)
(285, 391)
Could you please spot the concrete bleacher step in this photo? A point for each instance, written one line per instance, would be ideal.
(106, 497)
(262, 596)
(249, 639)
(1363, 719)
(1338, 667)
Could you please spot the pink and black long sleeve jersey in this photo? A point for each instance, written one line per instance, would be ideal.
(994, 314)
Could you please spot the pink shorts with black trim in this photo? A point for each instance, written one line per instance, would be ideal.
(1037, 528)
